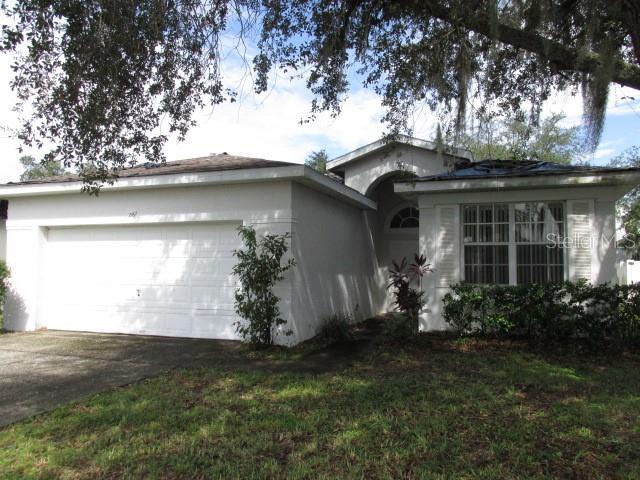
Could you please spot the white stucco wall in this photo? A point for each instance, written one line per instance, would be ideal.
(440, 235)
(336, 264)
(364, 172)
(267, 205)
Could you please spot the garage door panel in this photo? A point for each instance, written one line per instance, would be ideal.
(213, 297)
(214, 324)
(172, 279)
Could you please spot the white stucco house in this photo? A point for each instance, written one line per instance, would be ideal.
(153, 253)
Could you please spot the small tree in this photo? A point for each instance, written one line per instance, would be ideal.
(35, 170)
(408, 300)
(259, 268)
(318, 161)
(629, 205)
(518, 138)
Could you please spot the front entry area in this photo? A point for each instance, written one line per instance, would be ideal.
(161, 279)
(395, 230)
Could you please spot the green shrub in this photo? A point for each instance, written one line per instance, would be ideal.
(4, 286)
(259, 269)
(596, 315)
(336, 329)
(398, 326)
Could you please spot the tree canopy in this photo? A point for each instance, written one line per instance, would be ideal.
(35, 170)
(100, 78)
(629, 205)
(317, 160)
(518, 138)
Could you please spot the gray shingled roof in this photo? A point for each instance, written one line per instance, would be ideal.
(516, 168)
(211, 163)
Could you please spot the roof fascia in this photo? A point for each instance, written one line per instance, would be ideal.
(299, 173)
(629, 179)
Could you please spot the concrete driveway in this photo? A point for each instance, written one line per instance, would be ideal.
(41, 370)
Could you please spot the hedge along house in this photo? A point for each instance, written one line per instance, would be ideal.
(153, 253)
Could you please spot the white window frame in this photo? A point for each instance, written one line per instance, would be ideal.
(401, 231)
(512, 244)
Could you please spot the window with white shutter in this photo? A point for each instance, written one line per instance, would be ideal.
(515, 243)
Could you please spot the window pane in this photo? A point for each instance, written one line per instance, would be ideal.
(486, 263)
(470, 255)
(555, 255)
(501, 232)
(502, 274)
(556, 273)
(486, 213)
(486, 233)
(410, 222)
(470, 233)
(502, 255)
(524, 275)
(501, 214)
(538, 274)
(537, 232)
(521, 214)
(523, 232)
(556, 211)
(538, 254)
(406, 218)
(539, 264)
(470, 214)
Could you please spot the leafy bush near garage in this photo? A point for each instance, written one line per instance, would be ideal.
(596, 315)
(4, 287)
(260, 267)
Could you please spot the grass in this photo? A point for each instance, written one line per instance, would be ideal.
(437, 408)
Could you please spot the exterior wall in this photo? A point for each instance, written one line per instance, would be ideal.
(336, 270)
(362, 173)
(267, 205)
(440, 238)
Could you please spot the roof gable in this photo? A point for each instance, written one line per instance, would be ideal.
(384, 144)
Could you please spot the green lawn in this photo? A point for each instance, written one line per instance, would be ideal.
(437, 409)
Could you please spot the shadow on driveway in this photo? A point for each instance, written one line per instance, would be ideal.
(41, 370)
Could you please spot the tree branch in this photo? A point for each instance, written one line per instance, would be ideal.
(563, 58)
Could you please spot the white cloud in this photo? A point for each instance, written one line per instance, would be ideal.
(622, 101)
(601, 153)
(269, 126)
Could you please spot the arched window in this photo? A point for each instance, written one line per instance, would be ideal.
(406, 218)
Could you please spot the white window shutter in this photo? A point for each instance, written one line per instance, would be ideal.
(447, 265)
(580, 232)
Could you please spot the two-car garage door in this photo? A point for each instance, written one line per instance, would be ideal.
(161, 279)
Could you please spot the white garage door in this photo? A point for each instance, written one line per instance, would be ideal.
(169, 279)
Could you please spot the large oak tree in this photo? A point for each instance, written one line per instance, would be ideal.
(99, 76)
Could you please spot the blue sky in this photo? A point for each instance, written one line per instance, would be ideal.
(622, 130)
(268, 125)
